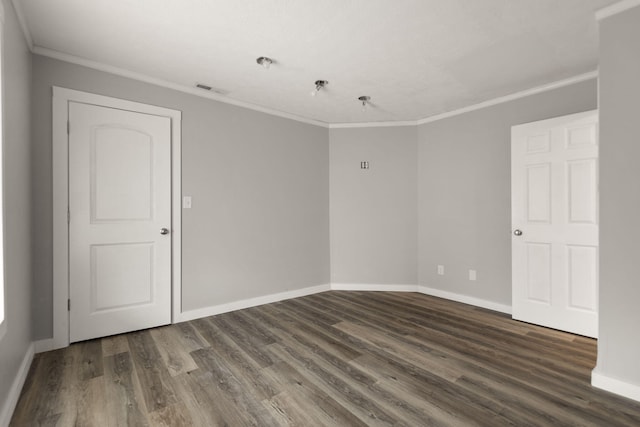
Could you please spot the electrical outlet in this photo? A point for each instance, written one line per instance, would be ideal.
(472, 275)
(441, 270)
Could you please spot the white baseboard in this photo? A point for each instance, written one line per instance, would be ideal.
(16, 388)
(478, 302)
(247, 303)
(373, 287)
(41, 346)
(49, 344)
(616, 386)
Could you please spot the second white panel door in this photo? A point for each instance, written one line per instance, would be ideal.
(555, 223)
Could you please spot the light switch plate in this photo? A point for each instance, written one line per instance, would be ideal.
(441, 270)
(186, 202)
(472, 275)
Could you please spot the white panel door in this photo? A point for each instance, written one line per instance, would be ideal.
(120, 216)
(554, 193)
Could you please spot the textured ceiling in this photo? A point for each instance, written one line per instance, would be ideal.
(415, 58)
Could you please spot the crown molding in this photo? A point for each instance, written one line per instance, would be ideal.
(170, 85)
(372, 124)
(220, 98)
(512, 97)
(602, 13)
(616, 8)
(500, 100)
(17, 6)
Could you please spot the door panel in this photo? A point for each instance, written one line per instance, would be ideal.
(555, 205)
(121, 174)
(582, 197)
(122, 276)
(539, 272)
(583, 277)
(539, 193)
(582, 136)
(538, 143)
(119, 200)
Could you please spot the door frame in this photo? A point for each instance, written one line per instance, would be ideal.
(60, 154)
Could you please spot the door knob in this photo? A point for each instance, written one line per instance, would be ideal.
(164, 231)
(517, 232)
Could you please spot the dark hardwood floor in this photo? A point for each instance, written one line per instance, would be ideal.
(336, 359)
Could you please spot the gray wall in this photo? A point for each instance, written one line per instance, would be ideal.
(17, 203)
(438, 193)
(619, 345)
(260, 186)
(464, 191)
(373, 212)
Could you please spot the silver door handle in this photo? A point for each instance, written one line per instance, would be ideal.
(164, 231)
(517, 232)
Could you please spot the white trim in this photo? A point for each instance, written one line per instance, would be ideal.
(176, 213)
(61, 98)
(613, 385)
(60, 235)
(616, 8)
(175, 86)
(38, 50)
(17, 6)
(375, 287)
(512, 97)
(251, 302)
(478, 302)
(40, 346)
(363, 287)
(224, 99)
(373, 124)
(16, 388)
(3, 281)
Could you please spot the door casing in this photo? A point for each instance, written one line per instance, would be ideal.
(60, 153)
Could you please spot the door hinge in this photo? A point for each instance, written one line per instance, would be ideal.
(68, 216)
(69, 304)
(68, 127)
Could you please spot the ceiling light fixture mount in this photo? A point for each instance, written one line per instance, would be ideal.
(265, 62)
(320, 84)
(365, 101)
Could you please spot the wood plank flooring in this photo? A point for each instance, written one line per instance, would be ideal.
(330, 359)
